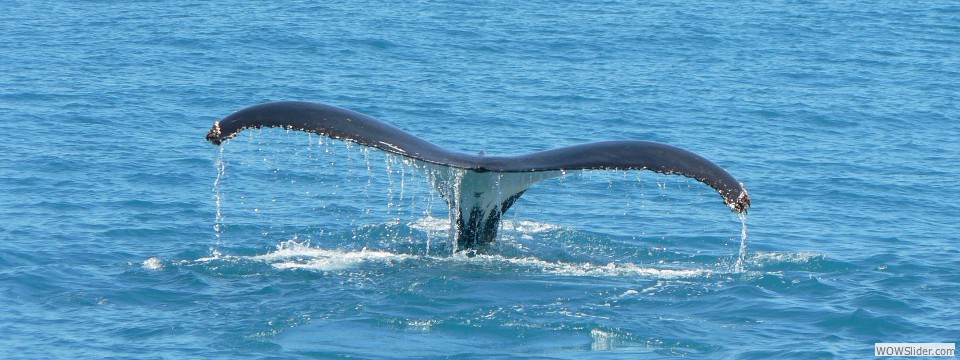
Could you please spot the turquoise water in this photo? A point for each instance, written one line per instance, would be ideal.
(842, 121)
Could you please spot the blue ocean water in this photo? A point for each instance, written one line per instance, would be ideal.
(841, 119)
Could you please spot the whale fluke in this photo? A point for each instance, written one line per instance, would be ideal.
(482, 187)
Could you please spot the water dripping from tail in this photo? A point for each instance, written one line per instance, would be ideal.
(739, 266)
(218, 222)
(432, 179)
(449, 186)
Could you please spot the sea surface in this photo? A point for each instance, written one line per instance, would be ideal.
(125, 234)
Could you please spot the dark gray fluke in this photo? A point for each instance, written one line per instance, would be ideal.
(486, 186)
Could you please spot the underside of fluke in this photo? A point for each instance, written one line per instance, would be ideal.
(479, 188)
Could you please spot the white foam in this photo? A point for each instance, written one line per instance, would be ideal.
(528, 227)
(422, 325)
(588, 269)
(153, 264)
(294, 255)
(435, 224)
(214, 255)
(602, 340)
(430, 224)
(782, 257)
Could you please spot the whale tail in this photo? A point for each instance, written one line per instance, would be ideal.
(479, 189)
(478, 200)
